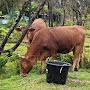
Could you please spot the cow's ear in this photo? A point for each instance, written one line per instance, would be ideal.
(22, 57)
(18, 29)
(31, 29)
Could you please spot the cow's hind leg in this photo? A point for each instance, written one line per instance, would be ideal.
(81, 59)
(76, 58)
(82, 56)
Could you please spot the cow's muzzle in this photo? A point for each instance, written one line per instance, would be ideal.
(23, 74)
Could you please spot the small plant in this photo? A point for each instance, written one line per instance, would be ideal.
(3, 61)
(9, 24)
(69, 23)
(87, 25)
(14, 37)
(65, 58)
(3, 32)
(9, 65)
(86, 62)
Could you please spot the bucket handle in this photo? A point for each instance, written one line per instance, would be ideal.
(62, 68)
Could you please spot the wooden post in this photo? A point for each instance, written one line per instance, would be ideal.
(50, 13)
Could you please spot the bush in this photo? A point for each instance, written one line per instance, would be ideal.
(3, 61)
(87, 25)
(87, 61)
(65, 58)
(87, 64)
(69, 23)
(9, 23)
(34, 6)
(13, 38)
(9, 65)
(3, 32)
(45, 8)
(68, 58)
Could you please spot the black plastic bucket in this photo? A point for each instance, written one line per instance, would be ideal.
(57, 71)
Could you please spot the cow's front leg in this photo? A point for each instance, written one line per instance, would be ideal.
(43, 59)
(42, 69)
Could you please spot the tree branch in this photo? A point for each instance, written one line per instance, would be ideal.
(13, 27)
(40, 7)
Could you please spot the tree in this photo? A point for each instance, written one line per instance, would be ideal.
(6, 6)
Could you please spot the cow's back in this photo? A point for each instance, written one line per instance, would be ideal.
(67, 38)
(60, 39)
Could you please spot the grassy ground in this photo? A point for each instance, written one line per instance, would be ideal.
(34, 81)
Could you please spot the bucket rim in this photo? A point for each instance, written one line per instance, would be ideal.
(63, 63)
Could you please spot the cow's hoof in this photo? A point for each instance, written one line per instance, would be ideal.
(23, 75)
(76, 69)
(71, 69)
(42, 71)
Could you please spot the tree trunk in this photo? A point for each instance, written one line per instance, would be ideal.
(78, 18)
(50, 13)
(63, 18)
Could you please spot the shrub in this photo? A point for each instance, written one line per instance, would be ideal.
(34, 6)
(87, 25)
(46, 8)
(3, 61)
(3, 32)
(9, 65)
(65, 58)
(14, 36)
(9, 23)
(69, 23)
(68, 58)
(87, 61)
(87, 64)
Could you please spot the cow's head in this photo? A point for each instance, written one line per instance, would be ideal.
(26, 66)
(21, 29)
(37, 25)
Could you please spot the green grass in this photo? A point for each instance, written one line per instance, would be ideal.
(20, 50)
(34, 81)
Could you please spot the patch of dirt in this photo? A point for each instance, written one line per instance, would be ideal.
(79, 81)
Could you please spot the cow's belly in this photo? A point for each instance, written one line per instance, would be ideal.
(65, 49)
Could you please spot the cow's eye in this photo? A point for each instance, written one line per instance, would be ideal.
(31, 29)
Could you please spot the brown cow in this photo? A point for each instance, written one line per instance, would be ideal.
(35, 26)
(49, 42)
